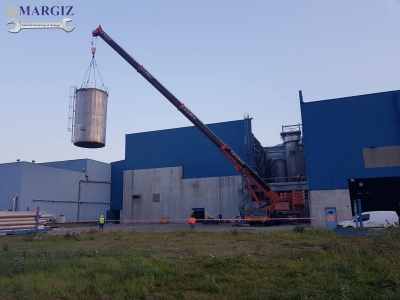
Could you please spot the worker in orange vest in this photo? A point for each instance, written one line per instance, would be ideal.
(192, 221)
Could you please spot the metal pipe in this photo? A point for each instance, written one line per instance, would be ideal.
(19, 215)
(66, 201)
(17, 227)
(355, 212)
(37, 218)
(14, 204)
(17, 222)
(46, 216)
(16, 219)
(360, 214)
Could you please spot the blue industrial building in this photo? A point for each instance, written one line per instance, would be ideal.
(190, 148)
(83, 189)
(187, 148)
(352, 149)
(76, 189)
(194, 160)
(345, 149)
(117, 189)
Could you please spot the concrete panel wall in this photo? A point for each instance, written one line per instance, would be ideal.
(217, 195)
(319, 200)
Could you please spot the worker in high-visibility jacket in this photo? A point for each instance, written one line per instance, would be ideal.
(192, 221)
(101, 222)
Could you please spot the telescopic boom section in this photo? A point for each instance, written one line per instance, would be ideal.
(238, 162)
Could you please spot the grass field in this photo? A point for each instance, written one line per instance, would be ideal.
(200, 265)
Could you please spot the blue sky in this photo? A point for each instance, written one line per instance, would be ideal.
(221, 58)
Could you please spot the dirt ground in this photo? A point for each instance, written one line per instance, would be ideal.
(174, 226)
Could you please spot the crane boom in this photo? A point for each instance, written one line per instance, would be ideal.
(237, 161)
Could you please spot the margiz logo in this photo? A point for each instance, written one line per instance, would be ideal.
(13, 11)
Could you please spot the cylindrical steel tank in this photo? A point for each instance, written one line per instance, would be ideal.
(277, 168)
(291, 140)
(90, 118)
(302, 162)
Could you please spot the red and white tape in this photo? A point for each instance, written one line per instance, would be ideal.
(164, 220)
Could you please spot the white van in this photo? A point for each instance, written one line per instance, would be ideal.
(374, 219)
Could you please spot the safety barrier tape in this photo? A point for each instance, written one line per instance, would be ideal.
(167, 220)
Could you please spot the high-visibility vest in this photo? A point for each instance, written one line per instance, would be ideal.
(101, 220)
(192, 221)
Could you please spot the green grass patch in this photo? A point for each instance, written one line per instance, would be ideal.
(302, 264)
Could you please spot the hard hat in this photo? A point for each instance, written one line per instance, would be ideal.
(101, 216)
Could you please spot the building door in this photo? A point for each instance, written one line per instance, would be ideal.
(198, 213)
(331, 217)
(376, 193)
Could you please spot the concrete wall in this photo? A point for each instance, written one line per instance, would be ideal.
(319, 200)
(217, 195)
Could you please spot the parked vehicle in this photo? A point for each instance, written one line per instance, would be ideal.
(374, 219)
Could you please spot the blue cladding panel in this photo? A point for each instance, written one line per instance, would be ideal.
(187, 147)
(72, 165)
(10, 184)
(336, 131)
(98, 170)
(95, 169)
(117, 178)
(46, 183)
(30, 181)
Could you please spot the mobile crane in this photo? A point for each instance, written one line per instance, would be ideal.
(275, 205)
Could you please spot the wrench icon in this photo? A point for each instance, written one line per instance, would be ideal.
(37, 25)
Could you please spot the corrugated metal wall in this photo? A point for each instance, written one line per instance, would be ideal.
(10, 183)
(56, 190)
(73, 165)
(95, 169)
(189, 148)
(336, 131)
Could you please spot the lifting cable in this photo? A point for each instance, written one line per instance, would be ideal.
(92, 67)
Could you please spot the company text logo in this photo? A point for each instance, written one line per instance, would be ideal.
(39, 10)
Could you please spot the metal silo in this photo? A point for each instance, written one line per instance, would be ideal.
(90, 118)
(291, 135)
(277, 168)
(302, 162)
